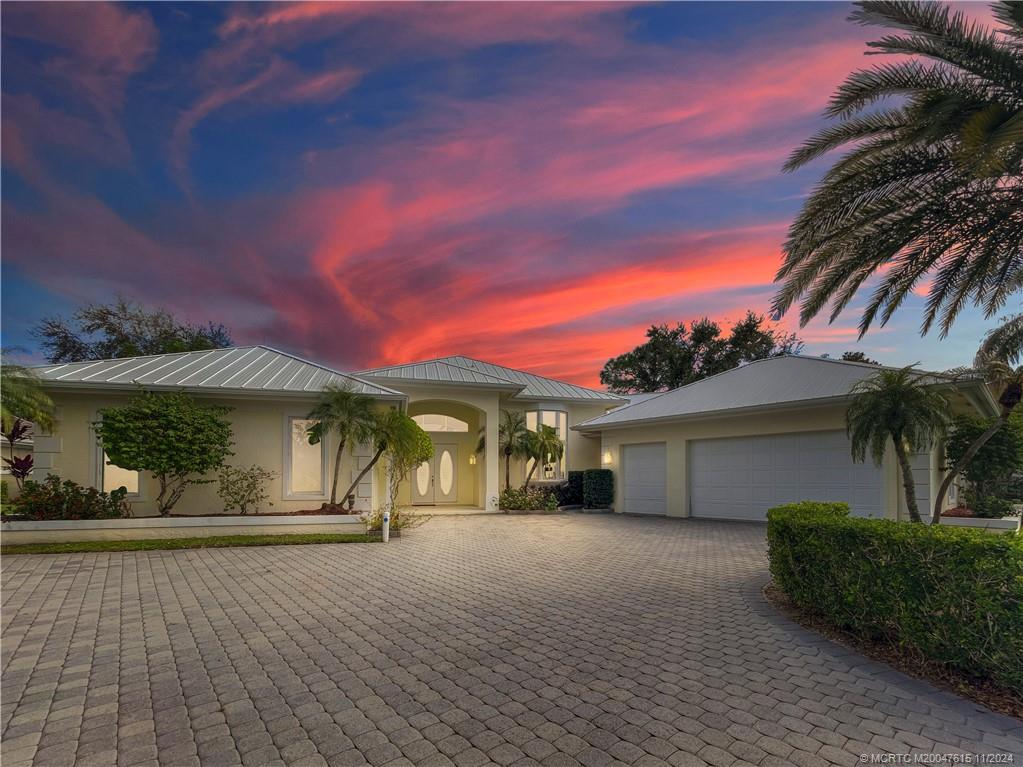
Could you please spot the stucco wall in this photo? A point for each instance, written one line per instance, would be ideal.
(258, 426)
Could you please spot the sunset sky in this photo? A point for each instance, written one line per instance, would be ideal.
(364, 184)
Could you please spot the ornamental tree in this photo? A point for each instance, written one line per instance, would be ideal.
(172, 436)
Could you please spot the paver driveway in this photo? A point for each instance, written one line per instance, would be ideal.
(512, 640)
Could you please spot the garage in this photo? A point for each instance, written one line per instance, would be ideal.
(645, 472)
(741, 478)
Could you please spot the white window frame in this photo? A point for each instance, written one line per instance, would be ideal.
(99, 464)
(286, 492)
(561, 467)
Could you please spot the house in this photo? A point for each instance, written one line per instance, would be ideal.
(733, 445)
(455, 399)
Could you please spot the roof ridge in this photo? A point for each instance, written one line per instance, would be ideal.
(440, 361)
(537, 375)
(323, 367)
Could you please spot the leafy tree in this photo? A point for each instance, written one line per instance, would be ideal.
(896, 405)
(995, 364)
(123, 329)
(930, 190)
(22, 396)
(347, 413)
(994, 464)
(513, 440)
(858, 357)
(676, 356)
(394, 431)
(544, 447)
(403, 457)
(172, 436)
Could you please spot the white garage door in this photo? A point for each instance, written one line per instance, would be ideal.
(741, 478)
(645, 472)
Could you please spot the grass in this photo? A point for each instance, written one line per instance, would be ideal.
(166, 544)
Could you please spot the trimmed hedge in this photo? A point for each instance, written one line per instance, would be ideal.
(598, 488)
(955, 596)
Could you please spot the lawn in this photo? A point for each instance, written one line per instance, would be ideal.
(160, 544)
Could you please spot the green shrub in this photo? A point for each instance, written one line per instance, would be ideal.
(991, 507)
(954, 596)
(53, 499)
(528, 499)
(5, 498)
(598, 488)
(244, 489)
(401, 519)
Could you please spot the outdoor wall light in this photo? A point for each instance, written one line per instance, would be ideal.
(472, 459)
(606, 458)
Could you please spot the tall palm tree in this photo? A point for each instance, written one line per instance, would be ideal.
(931, 191)
(544, 447)
(896, 405)
(22, 396)
(347, 413)
(513, 440)
(995, 364)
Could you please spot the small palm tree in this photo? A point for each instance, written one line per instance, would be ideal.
(393, 431)
(22, 396)
(347, 413)
(896, 405)
(996, 365)
(513, 440)
(544, 447)
(931, 190)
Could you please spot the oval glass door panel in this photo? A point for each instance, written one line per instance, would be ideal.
(423, 478)
(447, 472)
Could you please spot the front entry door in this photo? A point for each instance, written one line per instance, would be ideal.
(435, 480)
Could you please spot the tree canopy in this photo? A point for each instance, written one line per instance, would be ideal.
(123, 329)
(679, 355)
(930, 192)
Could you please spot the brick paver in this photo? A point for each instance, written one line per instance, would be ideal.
(565, 640)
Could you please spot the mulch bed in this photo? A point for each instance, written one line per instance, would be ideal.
(994, 696)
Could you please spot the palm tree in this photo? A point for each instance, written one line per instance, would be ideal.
(900, 406)
(513, 440)
(544, 447)
(995, 364)
(22, 396)
(395, 431)
(347, 413)
(931, 191)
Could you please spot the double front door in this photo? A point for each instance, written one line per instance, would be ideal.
(435, 481)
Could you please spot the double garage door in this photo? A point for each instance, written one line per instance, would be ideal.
(742, 477)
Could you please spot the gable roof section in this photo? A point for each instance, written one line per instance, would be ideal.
(240, 370)
(774, 382)
(457, 369)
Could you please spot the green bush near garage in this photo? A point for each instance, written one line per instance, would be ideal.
(954, 596)
(598, 488)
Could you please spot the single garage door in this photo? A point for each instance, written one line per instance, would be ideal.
(645, 471)
(741, 478)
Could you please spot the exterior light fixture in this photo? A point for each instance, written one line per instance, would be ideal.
(472, 459)
(605, 458)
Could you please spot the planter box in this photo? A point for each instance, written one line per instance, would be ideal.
(994, 525)
(139, 528)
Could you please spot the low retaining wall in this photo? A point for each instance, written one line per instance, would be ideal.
(140, 528)
(995, 525)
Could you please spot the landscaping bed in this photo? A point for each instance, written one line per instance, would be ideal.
(162, 544)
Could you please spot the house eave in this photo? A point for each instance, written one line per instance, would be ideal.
(208, 391)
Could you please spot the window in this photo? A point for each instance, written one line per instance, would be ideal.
(437, 422)
(113, 477)
(305, 464)
(558, 420)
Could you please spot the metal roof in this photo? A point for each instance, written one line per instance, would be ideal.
(776, 381)
(457, 369)
(241, 369)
